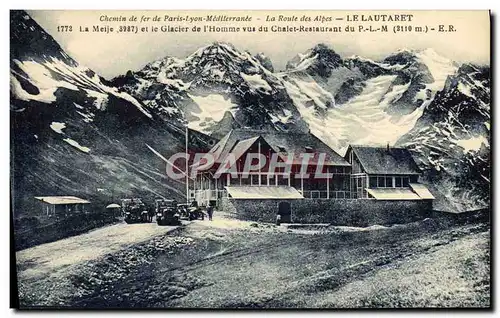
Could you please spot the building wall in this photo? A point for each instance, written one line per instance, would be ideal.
(47, 209)
(338, 212)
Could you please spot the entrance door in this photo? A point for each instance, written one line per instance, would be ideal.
(285, 210)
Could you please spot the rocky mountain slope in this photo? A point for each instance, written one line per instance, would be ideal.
(360, 101)
(219, 87)
(71, 134)
(215, 83)
(451, 140)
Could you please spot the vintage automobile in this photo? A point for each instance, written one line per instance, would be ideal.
(191, 211)
(135, 211)
(196, 212)
(183, 210)
(167, 212)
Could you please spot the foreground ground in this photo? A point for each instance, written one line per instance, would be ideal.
(230, 263)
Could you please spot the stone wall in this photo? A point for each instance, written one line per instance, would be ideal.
(339, 212)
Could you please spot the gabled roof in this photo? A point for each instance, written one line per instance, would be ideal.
(62, 200)
(383, 160)
(281, 142)
(241, 147)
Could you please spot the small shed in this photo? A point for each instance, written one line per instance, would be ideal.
(62, 205)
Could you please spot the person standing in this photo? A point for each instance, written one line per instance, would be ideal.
(210, 212)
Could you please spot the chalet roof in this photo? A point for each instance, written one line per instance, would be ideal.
(282, 142)
(263, 192)
(380, 160)
(241, 147)
(62, 200)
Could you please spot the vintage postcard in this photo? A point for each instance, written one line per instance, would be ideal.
(250, 159)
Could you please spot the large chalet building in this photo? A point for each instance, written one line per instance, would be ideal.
(364, 173)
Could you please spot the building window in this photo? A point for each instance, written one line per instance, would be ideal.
(399, 182)
(255, 179)
(272, 180)
(381, 182)
(406, 182)
(282, 180)
(245, 180)
(373, 182)
(402, 182)
(263, 180)
(388, 182)
(234, 181)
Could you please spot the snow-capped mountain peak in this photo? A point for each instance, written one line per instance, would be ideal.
(213, 80)
(319, 60)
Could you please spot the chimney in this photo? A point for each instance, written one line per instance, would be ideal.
(388, 148)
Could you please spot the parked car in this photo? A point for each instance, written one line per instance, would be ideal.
(191, 211)
(135, 211)
(167, 213)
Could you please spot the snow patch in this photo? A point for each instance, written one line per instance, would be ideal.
(88, 118)
(256, 82)
(464, 89)
(77, 145)
(382, 65)
(440, 67)
(177, 83)
(281, 118)
(362, 120)
(305, 62)
(100, 99)
(170, 110)
(472, 144)
(321, 97)
(57, 127)
(218, 74)
(39, 76)
(210, 110)
(129, 98)
(42, 76)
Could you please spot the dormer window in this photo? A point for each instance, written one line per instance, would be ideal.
(308, 149)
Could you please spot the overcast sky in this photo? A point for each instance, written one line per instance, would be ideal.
(113, 54)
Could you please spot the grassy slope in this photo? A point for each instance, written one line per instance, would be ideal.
(230, 264)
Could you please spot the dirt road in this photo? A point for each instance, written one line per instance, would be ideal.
(229, 263)
(54, 260)
(48, 258)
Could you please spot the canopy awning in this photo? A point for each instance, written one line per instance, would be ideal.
(393, 194)
(422, 191)
(113, 206)
(264, 192)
